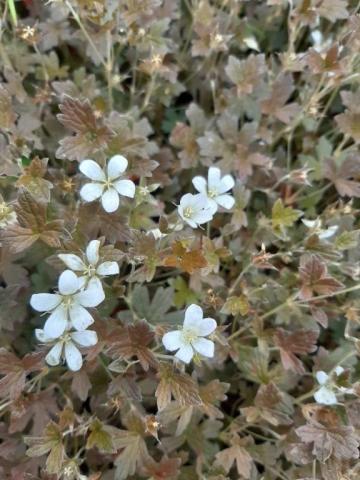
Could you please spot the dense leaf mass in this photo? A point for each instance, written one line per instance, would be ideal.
(179, 240)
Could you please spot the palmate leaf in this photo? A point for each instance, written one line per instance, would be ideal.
(300, 342)
(32, 226)
(51, 443)
(90, 133)
(283, 217)
(315, 278)
(178, 385)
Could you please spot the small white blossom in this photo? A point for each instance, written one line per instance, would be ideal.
(315, 227)
(7, 215)
(91, 269)
(195, 209)
(215, 188)
(106, 185)
(66, 347)
(191, 338)
(326, 394)
(68, 307)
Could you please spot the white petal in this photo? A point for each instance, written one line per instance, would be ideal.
(92, 252)
(193, 316)
(125, 188)
(329, 232)
(339, 370)
(87, 338)
(226, 201)
(72, 261)
(53, 357)
(200, 184)
(185, 353)
(41, 336)
(68, 283)
(108, 268)
(172, 340)
(204, 347)
(190, 222)
(322, 377)
(56, 324)
(73, 357)
(110, 200)
(206, 326)
(45, 302)
(226, 184)
(187, 200)
(83, 280)
(203, 216)
(80, 318)
(92, 296)
(92, 170)
(200, 201)
(116, 166)
(91, 191)
(325, 396)
(214, 175)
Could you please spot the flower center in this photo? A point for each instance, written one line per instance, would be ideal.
(67, 301)
(188, 212)
(108, 183)
(189, 335)
(90, 271)
(212, 193)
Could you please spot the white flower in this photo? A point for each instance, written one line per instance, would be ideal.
(316, 228)
(107, 185)
(7, 215)
(68, 307)
(67, 346)
(191, 337)
(215, 188)
(195, 209)
(326, 394)
(92, 270)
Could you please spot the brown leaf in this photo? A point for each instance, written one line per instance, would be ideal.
(133, 341)
(315, 278)
(49, 443)
(340, 441)
(291, 343)
(7, 115)
(346, 177)
(235, 454)
(187, 260)
(33, 180)
(179, 385)
(211, 395)
(15, 371)
(276, 103)
(32, 226)
(91, 134)
(166, 469)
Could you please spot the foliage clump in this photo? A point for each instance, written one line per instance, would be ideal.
(179, 240)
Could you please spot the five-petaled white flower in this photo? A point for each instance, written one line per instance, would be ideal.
(215, 188)
(191, 338)
(67, 346)
(91, 268)
(107, 185)
(68, 307)
(195, 209)
(326, 394)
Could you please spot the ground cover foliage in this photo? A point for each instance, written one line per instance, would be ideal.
(179, 263)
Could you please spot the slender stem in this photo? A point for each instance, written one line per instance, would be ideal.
(87, 36)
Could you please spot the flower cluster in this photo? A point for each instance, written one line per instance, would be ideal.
(66, 327)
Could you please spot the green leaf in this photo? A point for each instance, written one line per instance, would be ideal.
(347, 240)
(283, 217)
